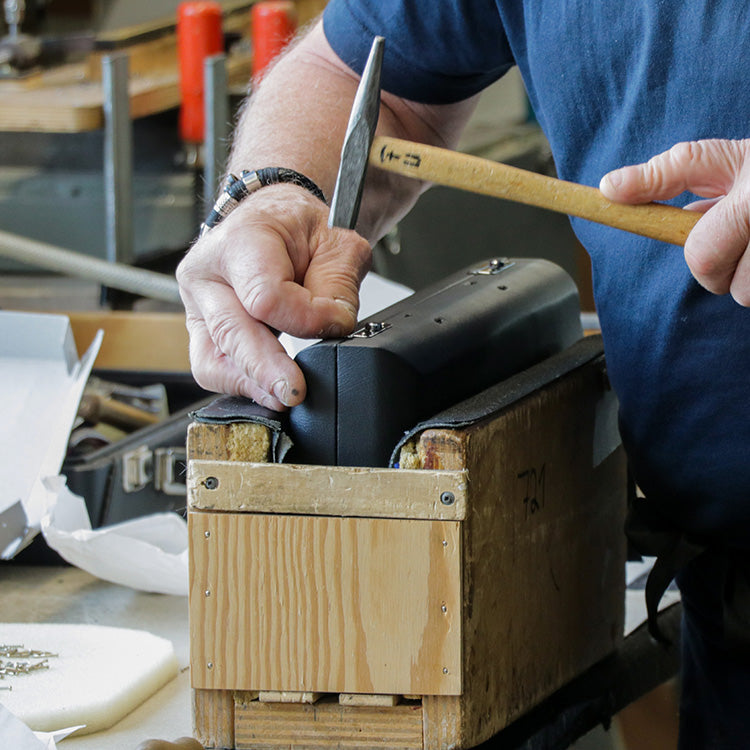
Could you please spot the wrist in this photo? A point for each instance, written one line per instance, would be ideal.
(237, 189)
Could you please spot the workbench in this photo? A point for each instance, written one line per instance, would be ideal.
(589, 696)
(67, 595)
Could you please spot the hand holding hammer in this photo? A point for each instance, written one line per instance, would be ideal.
(454, 169)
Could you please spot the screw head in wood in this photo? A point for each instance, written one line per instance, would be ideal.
(210, 483)
(447, 498)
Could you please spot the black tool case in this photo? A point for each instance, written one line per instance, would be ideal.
(437, 347)
(142, 473)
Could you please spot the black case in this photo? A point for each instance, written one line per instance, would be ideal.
(145, 471)
(433, 349)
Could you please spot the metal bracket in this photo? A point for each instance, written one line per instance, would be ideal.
(496, 265)
(137, 469)
(169, 464)
(163, 466)
(369, 330)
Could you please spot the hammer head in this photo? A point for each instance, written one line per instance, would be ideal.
(347, 194)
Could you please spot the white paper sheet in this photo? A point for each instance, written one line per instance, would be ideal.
(148, 553)
(15, 734)
(41, 382)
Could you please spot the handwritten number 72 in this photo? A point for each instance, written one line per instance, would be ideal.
(534, 481)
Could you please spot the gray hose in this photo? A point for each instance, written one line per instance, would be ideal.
(116, 275)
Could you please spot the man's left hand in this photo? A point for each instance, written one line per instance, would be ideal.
(717, 251)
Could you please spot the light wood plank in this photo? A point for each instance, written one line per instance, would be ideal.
(214, 710)
(213, 718)
(264, 726)
(328, 490)
(443, 722)
(324, 604)
(69, 98)
(64, 101)
(281, 696)
(156, 342)
(365, 699)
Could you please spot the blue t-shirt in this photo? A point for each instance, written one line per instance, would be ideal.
(614, 83)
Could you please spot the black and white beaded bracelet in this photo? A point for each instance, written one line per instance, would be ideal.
(238, 188)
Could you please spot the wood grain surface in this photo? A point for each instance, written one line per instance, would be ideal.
(324, 604)
(328, 490)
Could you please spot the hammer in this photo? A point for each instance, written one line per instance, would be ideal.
(453, 169)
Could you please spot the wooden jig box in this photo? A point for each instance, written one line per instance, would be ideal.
(408, 608)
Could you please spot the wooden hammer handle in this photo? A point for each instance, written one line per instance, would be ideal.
(454, 169)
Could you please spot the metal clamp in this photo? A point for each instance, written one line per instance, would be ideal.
(137, 469)
(163, 467)
(496, 265)
(371, 329)
(169, 464)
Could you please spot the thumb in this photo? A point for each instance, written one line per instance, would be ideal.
(707, 168)
(335, 272)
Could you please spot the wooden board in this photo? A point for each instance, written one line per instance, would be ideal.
(156, 342)
(213, 710)
(544, 554)
(213, 718)
(541, 587)
(263, 726)
(307, 603)
(63, 100)
(327, 490)
(69, 98)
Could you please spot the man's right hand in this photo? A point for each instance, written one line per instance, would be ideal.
(273, 263)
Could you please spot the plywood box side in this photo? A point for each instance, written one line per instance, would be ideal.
(544, 553)
(324, 604)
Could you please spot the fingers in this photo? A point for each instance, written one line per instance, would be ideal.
(706, 168)
(717, 250)
(275, 265)
(232, 353)
(739, 287)
(290, 271)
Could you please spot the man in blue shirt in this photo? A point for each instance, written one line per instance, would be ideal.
(611, 84)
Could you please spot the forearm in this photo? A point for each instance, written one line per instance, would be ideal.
(297, 118)
(274, 264)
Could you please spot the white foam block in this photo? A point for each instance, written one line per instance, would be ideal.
(99, 675)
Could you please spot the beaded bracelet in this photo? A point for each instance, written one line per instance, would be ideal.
(238, 188)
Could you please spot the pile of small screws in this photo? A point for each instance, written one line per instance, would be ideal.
(34, 660)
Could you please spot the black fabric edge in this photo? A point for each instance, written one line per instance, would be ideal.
(498, 397)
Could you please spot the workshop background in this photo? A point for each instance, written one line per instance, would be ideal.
(102, 161)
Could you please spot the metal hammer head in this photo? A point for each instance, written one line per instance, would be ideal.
(347, 194)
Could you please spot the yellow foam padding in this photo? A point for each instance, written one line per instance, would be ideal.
(99, 675)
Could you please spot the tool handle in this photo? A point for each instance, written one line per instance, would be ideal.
(458, 170)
